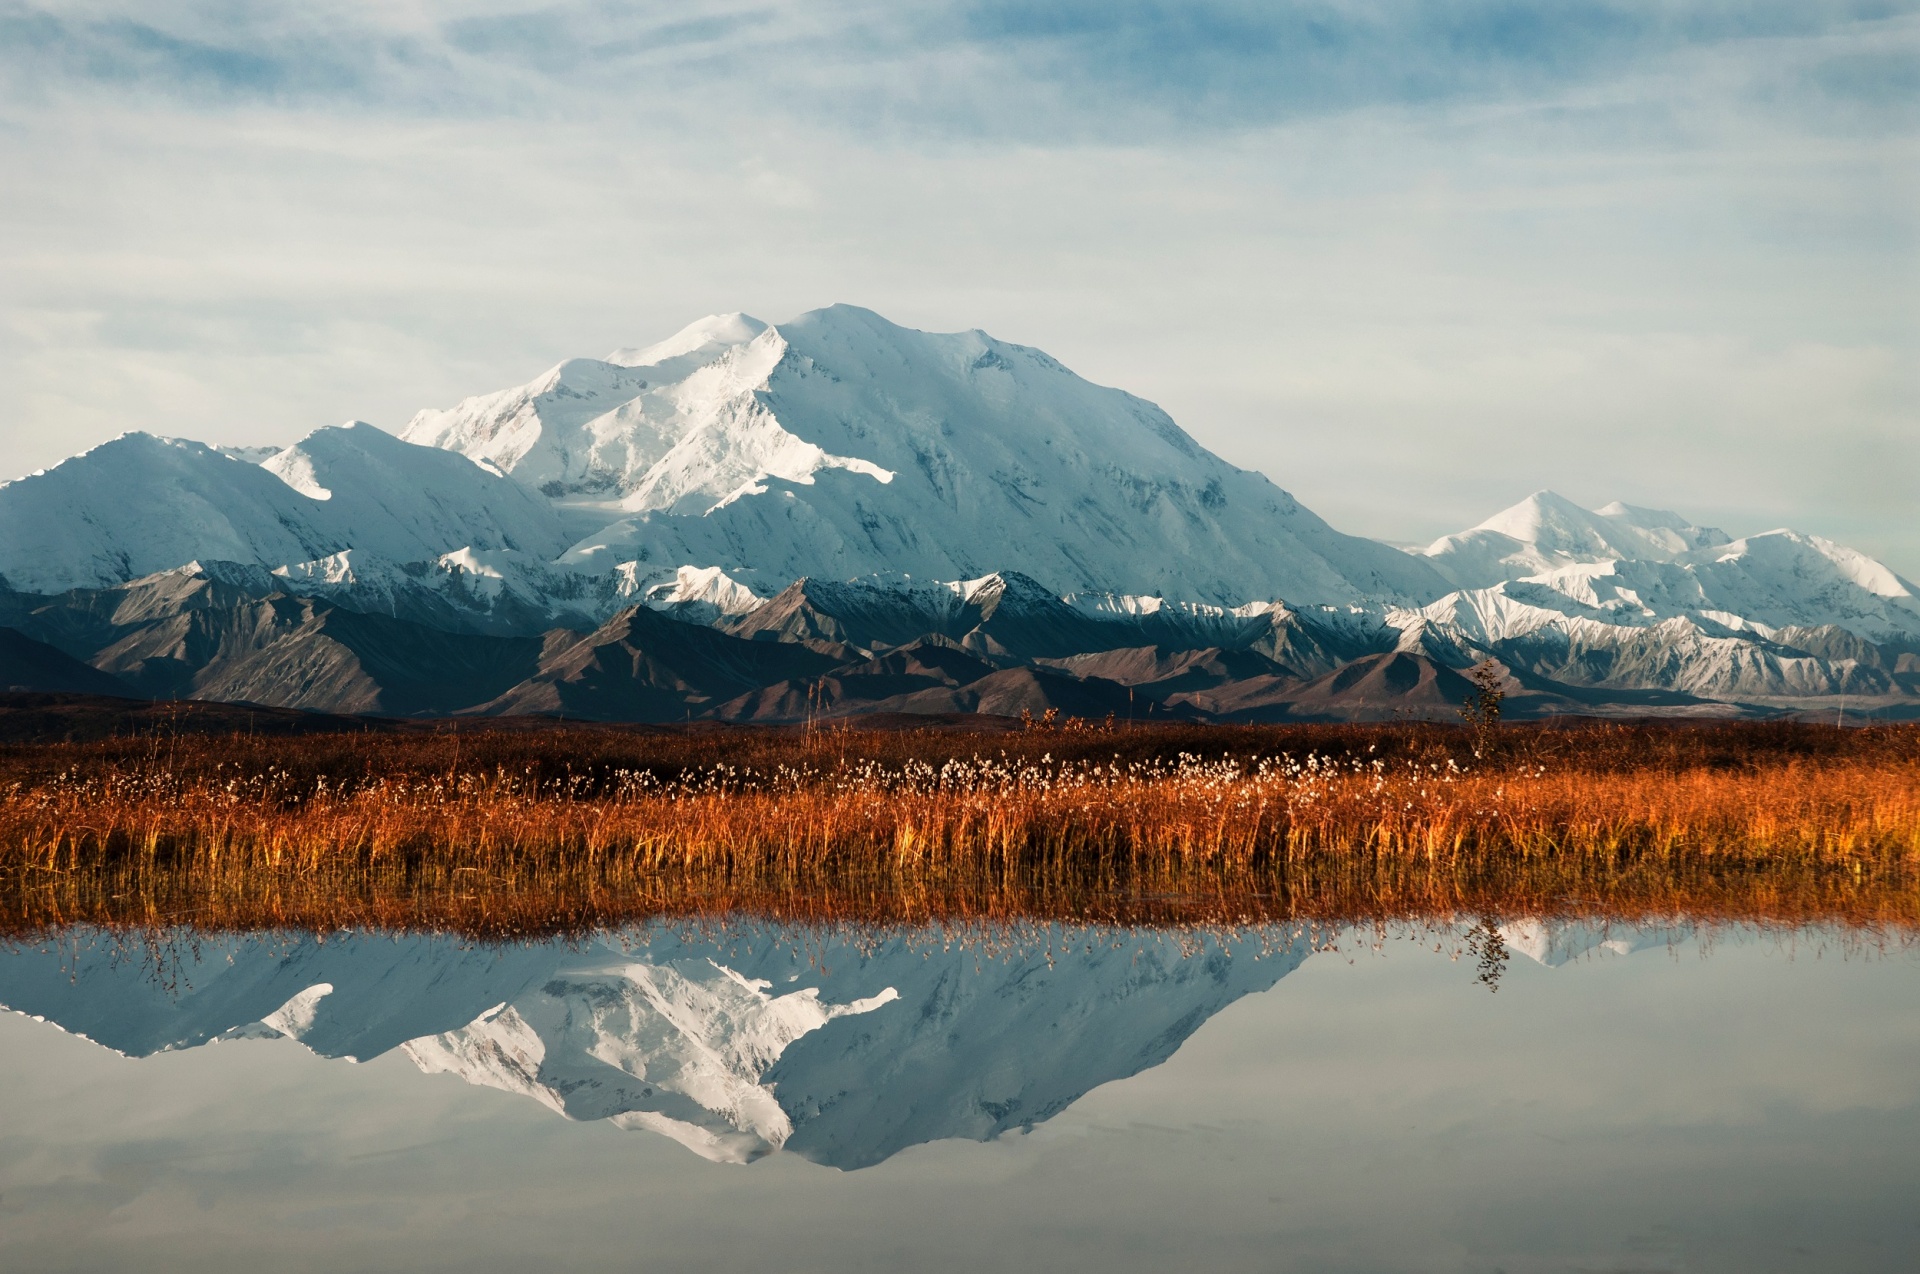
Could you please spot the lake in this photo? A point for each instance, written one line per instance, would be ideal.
(1532, 1096)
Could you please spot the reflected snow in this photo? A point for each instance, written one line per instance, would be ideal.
(841, 1049)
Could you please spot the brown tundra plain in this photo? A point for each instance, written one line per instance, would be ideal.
(500, 833)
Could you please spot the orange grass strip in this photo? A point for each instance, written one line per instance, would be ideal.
(1785, 838)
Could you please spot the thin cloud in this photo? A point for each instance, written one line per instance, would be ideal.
(1106, 69)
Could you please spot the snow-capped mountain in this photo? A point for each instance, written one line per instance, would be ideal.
(1546, 531)
(842, 1049)
(1637, 567)
(1626, 599)
(395, 500)
(141, 504)
(840, 445)
(593, 427)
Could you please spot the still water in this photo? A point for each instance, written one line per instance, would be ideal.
(1542, 1097)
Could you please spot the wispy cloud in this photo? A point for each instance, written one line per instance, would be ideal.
(196, 59)
(964, 65)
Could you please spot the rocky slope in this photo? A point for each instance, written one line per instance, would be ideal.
(32, 666)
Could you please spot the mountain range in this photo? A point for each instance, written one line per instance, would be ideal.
(838, 516)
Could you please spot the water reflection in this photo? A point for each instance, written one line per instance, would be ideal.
(841, 1048)
(1375, 1109)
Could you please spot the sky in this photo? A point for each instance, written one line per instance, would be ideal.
(1413, 260)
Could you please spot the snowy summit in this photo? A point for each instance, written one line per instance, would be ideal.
(841, 445)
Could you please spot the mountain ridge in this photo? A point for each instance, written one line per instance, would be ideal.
(846, 487)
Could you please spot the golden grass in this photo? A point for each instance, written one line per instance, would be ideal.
(503, 834)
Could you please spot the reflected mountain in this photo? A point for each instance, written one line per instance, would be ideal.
(844, 1050)
(1554, 943)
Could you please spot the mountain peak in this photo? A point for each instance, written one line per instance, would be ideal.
(710, 335)
(1547, 532)
(1544, 514)
(842, 317)
(842, 445)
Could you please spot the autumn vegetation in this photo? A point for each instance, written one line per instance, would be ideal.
(501, 832)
